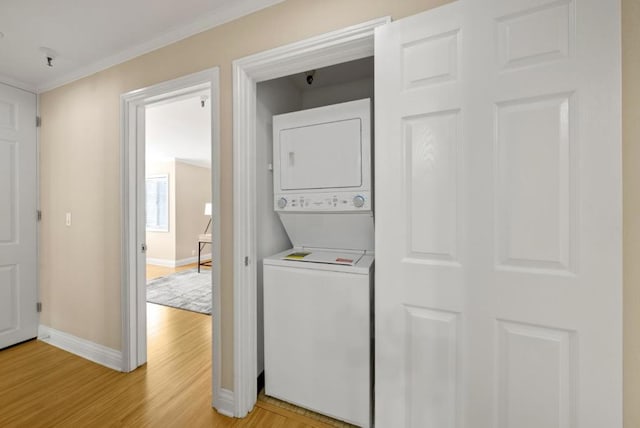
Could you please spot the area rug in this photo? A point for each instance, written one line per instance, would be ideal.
(188, 290)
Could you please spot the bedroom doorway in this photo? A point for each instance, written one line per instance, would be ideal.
(178, 202)
(161, 222)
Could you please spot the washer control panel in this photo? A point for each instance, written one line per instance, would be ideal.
(343, 201)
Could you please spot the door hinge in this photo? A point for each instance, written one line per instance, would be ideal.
(246, 260)
(39, 215)
(143, 248)
(38, 121)
(39, 307)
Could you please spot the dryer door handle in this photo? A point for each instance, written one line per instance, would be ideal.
(292, 158)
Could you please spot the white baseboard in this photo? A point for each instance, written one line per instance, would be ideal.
(161, 262)
(223, 403)
(176, 263)
(193, 259)
(81, 347)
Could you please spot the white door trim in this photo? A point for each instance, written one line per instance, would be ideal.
(132, 195)
(344, 45)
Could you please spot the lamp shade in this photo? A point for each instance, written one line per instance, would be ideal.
(207, 208)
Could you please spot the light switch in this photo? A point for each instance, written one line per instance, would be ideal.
(68, 219)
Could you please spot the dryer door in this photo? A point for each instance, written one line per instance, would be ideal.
(321, 156)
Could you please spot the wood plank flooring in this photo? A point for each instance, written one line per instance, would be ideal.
(43, 386)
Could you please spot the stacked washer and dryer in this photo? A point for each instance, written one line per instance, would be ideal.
(318, 295)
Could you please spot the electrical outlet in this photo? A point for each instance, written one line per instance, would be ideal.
(193, 252)
(68, 219)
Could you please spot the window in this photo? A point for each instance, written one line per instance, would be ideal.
(157, 194)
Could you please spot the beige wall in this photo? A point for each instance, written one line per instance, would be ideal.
(631, 180)
(80, 265)
(193, 190)
(162, 245)
(80, 154)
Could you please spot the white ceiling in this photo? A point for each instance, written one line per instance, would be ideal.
(179, 130)
(90, 35)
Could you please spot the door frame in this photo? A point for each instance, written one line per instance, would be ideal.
(335, 47)
(132, 168)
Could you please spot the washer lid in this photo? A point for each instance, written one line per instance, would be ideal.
(321, 256)
(362, 267)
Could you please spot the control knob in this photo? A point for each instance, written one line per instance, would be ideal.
(282, 202)
(358, 201)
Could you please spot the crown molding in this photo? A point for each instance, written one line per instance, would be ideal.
(17, 84)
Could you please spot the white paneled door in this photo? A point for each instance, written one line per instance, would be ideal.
(498, 216)
(18, 217)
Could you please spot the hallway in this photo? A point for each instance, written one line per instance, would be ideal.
(43, 386)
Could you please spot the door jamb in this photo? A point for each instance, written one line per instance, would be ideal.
(344, 45)
(132, 105)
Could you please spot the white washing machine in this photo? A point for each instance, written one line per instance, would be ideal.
(318, 295)
(317, 331)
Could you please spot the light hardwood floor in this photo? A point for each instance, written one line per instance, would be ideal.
(42, 386)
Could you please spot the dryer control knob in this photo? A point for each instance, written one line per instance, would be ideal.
(358, 201)
(282, 202)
